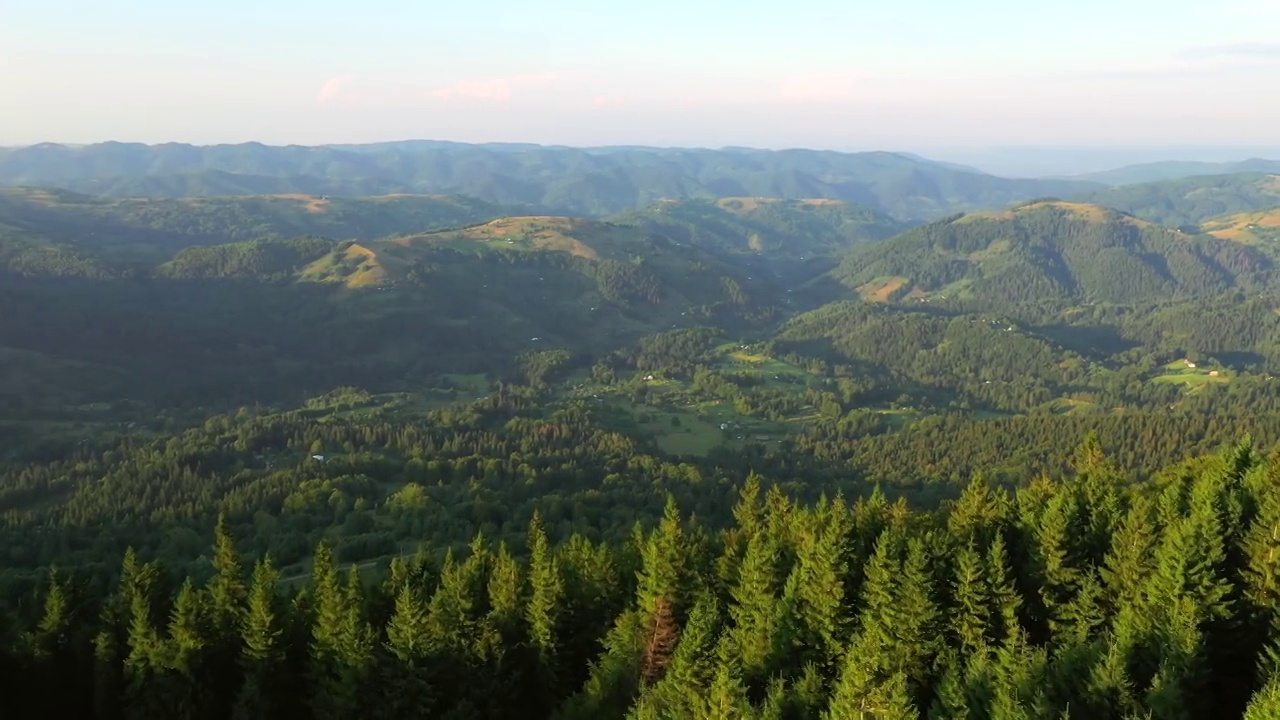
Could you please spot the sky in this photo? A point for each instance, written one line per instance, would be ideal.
(915, 75)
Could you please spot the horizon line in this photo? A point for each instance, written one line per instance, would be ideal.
(643, 146)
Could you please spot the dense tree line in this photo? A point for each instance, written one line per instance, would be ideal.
(255, 260)
(1075, 595)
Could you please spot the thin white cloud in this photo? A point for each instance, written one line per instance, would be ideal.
(826, 88)
(333, 89)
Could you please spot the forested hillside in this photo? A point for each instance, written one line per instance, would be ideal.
(1052, 253)
(1075, 595)
(1187, 202)
(593, 182)
(45, 232)
(759, 225)
(719, 455)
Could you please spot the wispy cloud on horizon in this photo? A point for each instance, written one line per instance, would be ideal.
(608, 101)
(820, 88)
(333, 89)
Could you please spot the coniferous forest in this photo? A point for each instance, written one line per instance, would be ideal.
(773, 448)
(1077, 595)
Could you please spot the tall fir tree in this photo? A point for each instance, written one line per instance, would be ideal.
(263, 654)
(145, 661)
(405, 674)
(187, 677)
(971, 616)
(759, 623)
(815, 591)
(545, 610)
(341, 646)
(227, 600)
(666, 565)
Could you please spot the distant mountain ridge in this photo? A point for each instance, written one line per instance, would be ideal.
(591, 182)
(1176, 170)
(42, 230)
(800, 228)
(1188, 202)
(51, 231)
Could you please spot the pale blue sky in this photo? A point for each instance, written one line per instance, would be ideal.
(845, 74)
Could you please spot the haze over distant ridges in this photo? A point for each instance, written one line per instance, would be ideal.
(596, 182)
(1174, 170)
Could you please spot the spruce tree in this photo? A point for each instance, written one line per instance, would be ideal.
(455, 616)
(757, 613)
(546, 605)
(1005, 598)
(1261, 574)
(665, 571)
(680, 690)
(227, 598)
(263, 654)
(1056, 566)
(726, 699)
(60, 680)
(405, 681)
(614, 680)
(815, 591)
(863, 694)
(341, 644)
(144, 663)
(504, 626)
(226, 589)
(976, 514)
(1127, 564)
(188, 674)
(51, 636)
(1265, 704)
(971, 618)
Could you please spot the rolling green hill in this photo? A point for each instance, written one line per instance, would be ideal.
(1050, 252)
(623, 264)
(592, 182)
(979, 360)
(1020, 311)
(1187, 202)
(1260, 228)
(104, 232)
(770, 226)
(268, 319)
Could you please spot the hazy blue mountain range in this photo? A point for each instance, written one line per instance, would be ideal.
(590, 182)
(1084, 162)
(1175, 170)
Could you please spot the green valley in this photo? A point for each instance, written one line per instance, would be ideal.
(625, 434)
